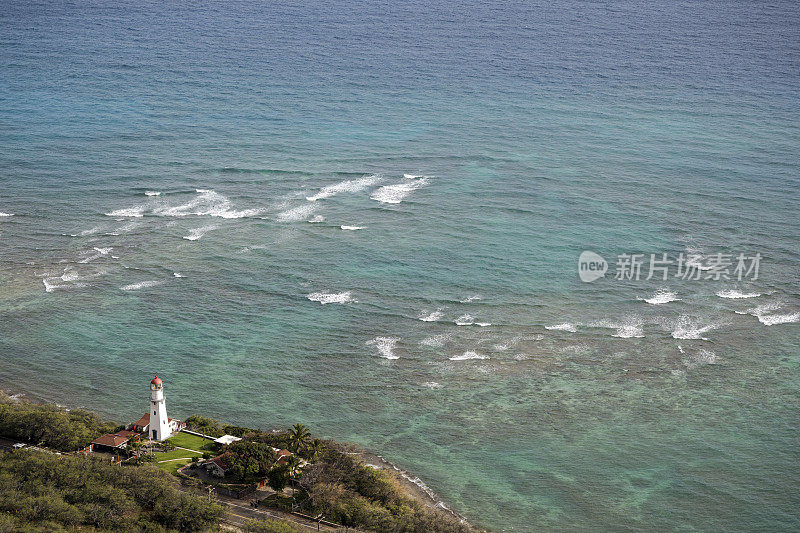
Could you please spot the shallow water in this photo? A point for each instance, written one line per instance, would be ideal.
(480, 149)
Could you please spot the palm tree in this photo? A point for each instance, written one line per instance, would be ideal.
(293, 466)
(298, 437)
(314, 448)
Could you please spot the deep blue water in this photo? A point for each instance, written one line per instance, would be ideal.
(480, 148)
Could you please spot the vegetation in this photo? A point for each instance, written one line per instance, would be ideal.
(249, 461)
(272, 526)
(192, 442)
(50, 425)
(349, 492)
(335, 482)
(40, 491)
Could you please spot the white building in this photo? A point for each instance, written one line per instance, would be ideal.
(155, 423)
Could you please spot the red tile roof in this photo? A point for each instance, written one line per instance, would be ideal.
(222, 461)
(142, 422)
(113, 440)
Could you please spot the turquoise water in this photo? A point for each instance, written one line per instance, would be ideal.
(480, 149)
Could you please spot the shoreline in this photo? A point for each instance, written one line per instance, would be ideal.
(413, 485)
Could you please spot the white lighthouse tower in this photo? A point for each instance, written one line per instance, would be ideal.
(160, 426)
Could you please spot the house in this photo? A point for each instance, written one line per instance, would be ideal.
(143, 425)
(282, 455)
(113, 442)
(218, 466)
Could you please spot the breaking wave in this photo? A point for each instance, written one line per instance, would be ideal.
(661, 296)
(563, 327)
(331, 297)
(141, 285)
(385, 346)
(396, 193)
(688, 328)
(431, 317)
(344, 186)
(468, 355)
(734, 294)
(296, 213)
(771, 320)
(196, 233)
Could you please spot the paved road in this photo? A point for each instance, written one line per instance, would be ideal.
(240, 512)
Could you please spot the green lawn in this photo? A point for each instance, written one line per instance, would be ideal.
(193, 442)
(173, 466)
(176, 454)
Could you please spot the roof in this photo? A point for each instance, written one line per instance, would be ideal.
(143, 421)
(156, 381)
(222, 461)
(227, 439)
(284, 453)
(114, 440)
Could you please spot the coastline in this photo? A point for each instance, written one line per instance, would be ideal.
(413, 486)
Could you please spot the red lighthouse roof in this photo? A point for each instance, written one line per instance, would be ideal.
(156, 381)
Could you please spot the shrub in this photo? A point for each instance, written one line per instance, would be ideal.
(271, 526)
(50, 425)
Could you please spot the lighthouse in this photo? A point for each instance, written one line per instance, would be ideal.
(160, 427)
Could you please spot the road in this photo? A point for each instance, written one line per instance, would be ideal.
(240, 512)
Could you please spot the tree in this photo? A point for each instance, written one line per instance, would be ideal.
(299, 436)
(293, 467)
(278, 477)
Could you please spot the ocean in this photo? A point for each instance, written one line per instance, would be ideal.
(367, 217)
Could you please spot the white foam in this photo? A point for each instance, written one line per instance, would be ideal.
(687, 328)
(297, 213)
(69, 275)
(628, 329)
(137, 211)
(6, 214)
(431, 317)
(396, 193)
(465, 320)
(352, 228)
(760, 310)
(344, 186)
(385, 346)
(566, 326)
(316, 219)
(196, 233)
(413, 176)
(103, 251)
(468, 355)
(91, 231)
(152, 193)
(706, 357)
(734, 294)
(178, 275)
(483, 324)
(331, 297)
(141, 285)
(51, 284)
(661, 296)
(436, 341)
(432, 385)
(470, 299)
(772, 320)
